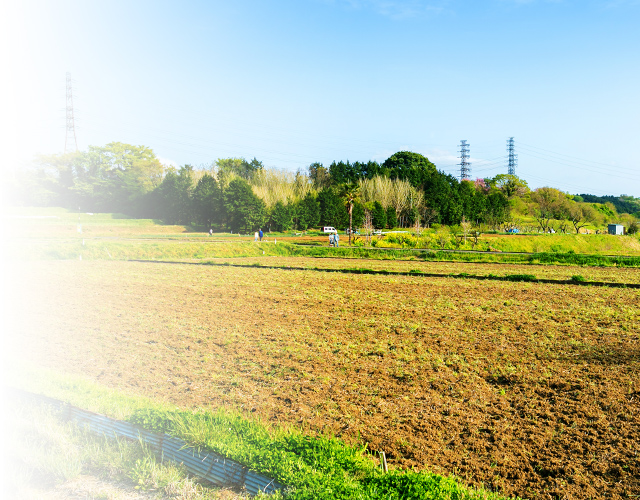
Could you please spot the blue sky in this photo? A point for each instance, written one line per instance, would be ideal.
(293, 82)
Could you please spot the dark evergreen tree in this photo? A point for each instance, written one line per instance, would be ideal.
(623, 204)
(307, 213)
(342, 173)
(366, 170)
(441, 193)
(413, 167)
(244, 210)
(332, 209)
(472, 200)
(175, 206)
(378, 216)
(207, 202)
(358, 215)
(497, 208)
(281, 217)
(249, 168)
(319, 176)
(392, 220)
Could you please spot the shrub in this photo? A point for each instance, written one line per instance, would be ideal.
(520, 277)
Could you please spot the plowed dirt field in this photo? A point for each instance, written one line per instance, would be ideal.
(530, 389)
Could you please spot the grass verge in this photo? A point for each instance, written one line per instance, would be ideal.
(96, 249)
(313, 467)
(46, 453)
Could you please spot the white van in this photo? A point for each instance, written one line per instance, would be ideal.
(329, 229)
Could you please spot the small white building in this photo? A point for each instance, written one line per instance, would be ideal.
(616, 229)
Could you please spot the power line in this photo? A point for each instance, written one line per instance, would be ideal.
(588, 168)
(579, 160)
(571, 185)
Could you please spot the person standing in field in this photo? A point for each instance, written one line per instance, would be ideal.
(331, 240)
(261, 234)
(255, 236)
(336, 239)
(210, 232)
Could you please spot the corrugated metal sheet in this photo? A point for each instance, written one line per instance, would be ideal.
(206, 464)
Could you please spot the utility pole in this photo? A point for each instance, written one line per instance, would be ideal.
(465, 165)
(513, 157)
(71, 129)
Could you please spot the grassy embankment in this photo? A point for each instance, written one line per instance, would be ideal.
(312, 467)
(600, 244)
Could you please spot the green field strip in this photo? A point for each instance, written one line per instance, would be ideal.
(510, 277)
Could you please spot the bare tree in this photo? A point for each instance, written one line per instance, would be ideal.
(272, 186)
(465, 225)
(580, 215)
(546, 205)
(417, 228)
(368, 226)
(428, 215)
(400, 196)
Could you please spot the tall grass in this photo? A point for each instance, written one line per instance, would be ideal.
(46, 451)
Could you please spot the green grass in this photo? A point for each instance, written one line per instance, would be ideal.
(602, 244)
(521, 277)
(313, 467)
(99, 249)
(45, 451)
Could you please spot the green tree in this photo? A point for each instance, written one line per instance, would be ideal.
(238, 166)
(392, 220)
(497, 209)
(442, 194)
(332, 210)
(378, 216)
(175, 202)
(115, 177)
(319, 176)
(358, 214)
(473, 200)
(581, 214)
(245, 211)
(207, 202)
(510, 185)
(547, 205)
(307, 212)
(281, 217)
(413, 167)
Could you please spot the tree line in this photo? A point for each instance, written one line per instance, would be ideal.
(241, 196)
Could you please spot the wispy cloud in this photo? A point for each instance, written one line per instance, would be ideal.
(167, 162)
(613, 4)
(396, 9)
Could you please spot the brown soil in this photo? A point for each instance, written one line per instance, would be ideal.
(529, 389)
(630, 275)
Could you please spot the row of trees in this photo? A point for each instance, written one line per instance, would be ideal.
(240, 195)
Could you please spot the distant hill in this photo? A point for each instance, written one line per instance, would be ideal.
(623, 204)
